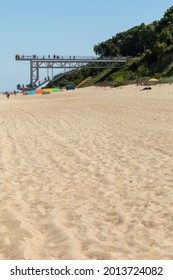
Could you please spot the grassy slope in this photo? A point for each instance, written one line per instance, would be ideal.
(159, 65)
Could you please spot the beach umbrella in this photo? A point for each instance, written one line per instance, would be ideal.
(153, 80)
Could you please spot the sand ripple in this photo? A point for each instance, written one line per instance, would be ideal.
(87, 175)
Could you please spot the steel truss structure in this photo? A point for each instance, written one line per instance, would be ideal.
(70, 62)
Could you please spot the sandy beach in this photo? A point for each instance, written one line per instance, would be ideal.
(87, 174)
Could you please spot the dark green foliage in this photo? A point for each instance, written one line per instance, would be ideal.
(149, 46)
(166, 22)
(133, 42)
(139, 39)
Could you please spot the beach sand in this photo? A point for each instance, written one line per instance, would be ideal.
(87, 174)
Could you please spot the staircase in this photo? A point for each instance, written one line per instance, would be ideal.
(85, 82)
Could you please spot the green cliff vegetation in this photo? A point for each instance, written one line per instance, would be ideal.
(150, 48)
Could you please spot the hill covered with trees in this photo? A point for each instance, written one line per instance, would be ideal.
(149, 46)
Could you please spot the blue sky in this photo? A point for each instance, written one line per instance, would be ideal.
(64, 27)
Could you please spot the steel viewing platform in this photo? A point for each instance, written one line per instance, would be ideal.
(70, 62)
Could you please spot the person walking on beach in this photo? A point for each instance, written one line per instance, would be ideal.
(8, 95)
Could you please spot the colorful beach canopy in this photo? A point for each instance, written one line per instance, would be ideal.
(42, 91)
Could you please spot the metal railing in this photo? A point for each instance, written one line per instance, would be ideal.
(70, 57)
